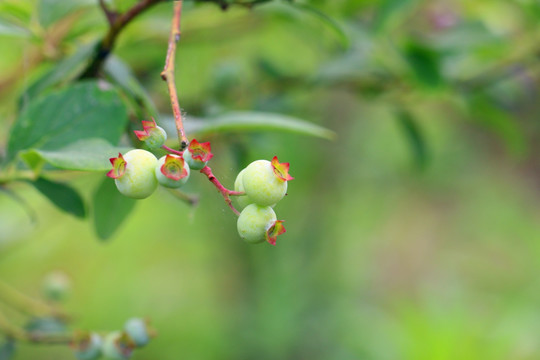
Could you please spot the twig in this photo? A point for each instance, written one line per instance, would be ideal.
(106, 45)
(168, 74)
(226, 193)
(192, 200)
(172, 150)
(111, 15)
(28, 305)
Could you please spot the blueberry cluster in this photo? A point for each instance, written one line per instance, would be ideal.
(118, 345)
(264, 184)
(138, 172)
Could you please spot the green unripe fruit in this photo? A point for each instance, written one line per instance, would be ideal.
(137, 330)
(138, 180)
(89, 348)
(242, 200)
(261, 183)
(254, 221)
(56, 285)
(115, 347)
(194, 164)
(156, 138)
(172, 171)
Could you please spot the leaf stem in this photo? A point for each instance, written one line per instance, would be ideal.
(28, 305)
(164, 147)
(226, 193)
(168, 74)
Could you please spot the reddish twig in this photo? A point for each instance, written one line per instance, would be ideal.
(111, 15)
(172, 150)
(226, 193)
(168, 73)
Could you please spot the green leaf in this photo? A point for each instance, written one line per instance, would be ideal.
(390, 12)
(327, 20)
(121, 75)
(63, 196)
(257, 121)
(50, 11)
(425, 64)
(415, 137)
(64, 71)
(10, 29)
(81, 111)
(110, 209)
(85, 155)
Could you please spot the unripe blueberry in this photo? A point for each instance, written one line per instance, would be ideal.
(89, 347)
(117, 346)
(134, 173)
(254, 221)
(242, 200)
(152, 135)
(198, 154)
(265, 182)
(56, 285)
(138, 330)
(172, 171)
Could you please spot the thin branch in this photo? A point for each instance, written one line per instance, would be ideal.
(111, 15)
(28, 305)
(168, 74)
(192, 200)
(106, 45)
(172, 150)
(226, 193)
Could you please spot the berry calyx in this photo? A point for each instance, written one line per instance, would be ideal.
(88, 346)
(172, 171)
(152, 135)
(118, 346)
(241, 200)
(265, 182)
(139, 331)
(198, 154)
(257, 224)
(133, 173)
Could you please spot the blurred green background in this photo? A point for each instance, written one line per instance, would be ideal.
(414, 235)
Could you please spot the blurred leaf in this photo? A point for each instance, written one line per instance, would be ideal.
(7, 28)
(110, 208)
(62, 72)
(50, 11)
(7, 350)
(85, 155)
(486, 112)
(16, 9)
(415, 137)
(61, 195)
(81, 111)
(390, 10)
(120, 74)
(19, 200)
(327, 20)
(425, 64)
(48, 325)
(257, 121)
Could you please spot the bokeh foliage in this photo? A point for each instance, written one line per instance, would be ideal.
(413, 235)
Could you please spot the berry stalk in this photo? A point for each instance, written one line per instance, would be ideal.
(226, 193)
(168, 74)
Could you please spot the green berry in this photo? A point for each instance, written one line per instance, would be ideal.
(198, 154)
(138, 180)
(254, 221)
(56, 285)
(89, 348)
(117, 347)
(262, 185)
(242, 200)
(137, 329)
(172, 171)
(157, 137)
